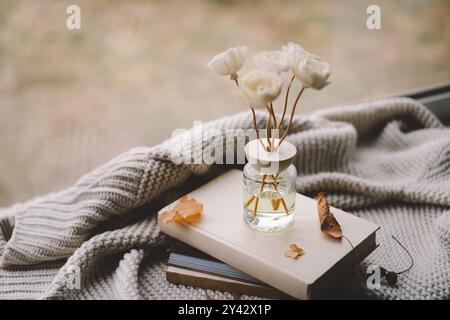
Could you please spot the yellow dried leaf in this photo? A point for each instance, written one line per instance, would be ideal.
(170, 216)
(193, 218)
(294, 252)
(328, 222)
(185, 210)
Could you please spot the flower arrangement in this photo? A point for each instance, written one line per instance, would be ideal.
(274, 74)
(261, 86)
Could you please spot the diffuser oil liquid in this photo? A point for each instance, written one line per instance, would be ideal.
(270, 208)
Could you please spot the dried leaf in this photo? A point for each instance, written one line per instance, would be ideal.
(236, 296)
(170, 216)
(294, 252)
(185, 210)
(328, 222)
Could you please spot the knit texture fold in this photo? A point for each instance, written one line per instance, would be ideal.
(387, 161)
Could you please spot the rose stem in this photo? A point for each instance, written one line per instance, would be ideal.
(275, 184)
(263, 182)
(269, 148)
(269, 145)
(274, 123)
(292, 116)
(286, 102)
(256, 128)
(249, 201)
(271, 113)
(284, 206)
(277, 127)
(275, 204)
(236, 81)
(255, 207)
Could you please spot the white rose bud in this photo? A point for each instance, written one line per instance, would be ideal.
(292, 54)
(271, 61)
(260, 87)
(229, 62)
(312, 72)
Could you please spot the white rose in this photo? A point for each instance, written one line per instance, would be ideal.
(260, 87)
(312, 71)
(292, 54)
(272, 61)
(229, 62)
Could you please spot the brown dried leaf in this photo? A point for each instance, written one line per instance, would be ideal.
(185, 210)
(328, 222)
(294, 251)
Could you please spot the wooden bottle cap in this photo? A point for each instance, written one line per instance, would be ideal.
(268, 162)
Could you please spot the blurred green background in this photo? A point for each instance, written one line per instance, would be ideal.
(70, 100)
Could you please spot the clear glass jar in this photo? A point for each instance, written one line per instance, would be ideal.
(269, 199)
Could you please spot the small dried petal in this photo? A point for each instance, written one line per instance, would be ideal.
(294, 252)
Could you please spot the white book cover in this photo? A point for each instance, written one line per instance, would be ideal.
(223, 234)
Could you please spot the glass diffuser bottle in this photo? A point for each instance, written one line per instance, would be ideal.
(269, 186)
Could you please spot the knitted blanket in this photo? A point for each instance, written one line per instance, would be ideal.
(387, 161)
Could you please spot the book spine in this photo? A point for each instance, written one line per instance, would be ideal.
(222, 284)
(243, 261)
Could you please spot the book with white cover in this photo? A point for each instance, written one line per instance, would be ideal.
(223, 234)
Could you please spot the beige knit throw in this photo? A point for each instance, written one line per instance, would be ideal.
(387, 161)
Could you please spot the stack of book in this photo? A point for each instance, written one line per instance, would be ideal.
(191, 267)
(231, 256)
